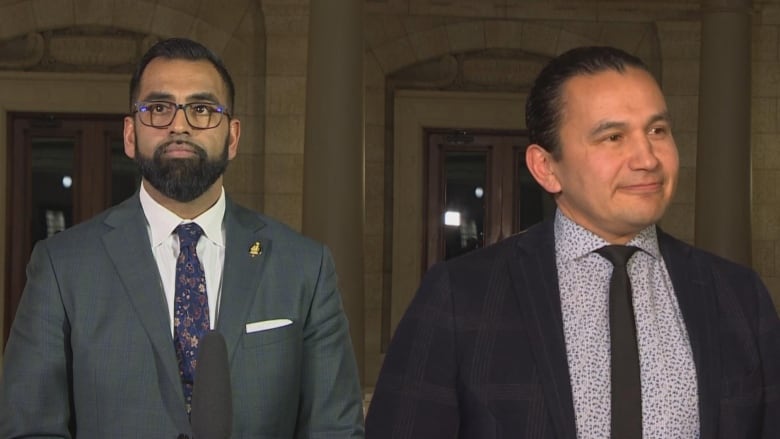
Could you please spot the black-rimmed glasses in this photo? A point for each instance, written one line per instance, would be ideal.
(200, 115)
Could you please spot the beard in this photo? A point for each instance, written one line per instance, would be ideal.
(181, 179)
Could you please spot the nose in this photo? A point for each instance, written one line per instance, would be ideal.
(643, 155)
(179, 123)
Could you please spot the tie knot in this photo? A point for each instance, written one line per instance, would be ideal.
(189, 234)
(617, 254)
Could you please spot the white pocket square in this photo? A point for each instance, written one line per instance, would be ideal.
(266, 325)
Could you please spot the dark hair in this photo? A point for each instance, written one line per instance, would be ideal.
(181, 48)
(544, 104)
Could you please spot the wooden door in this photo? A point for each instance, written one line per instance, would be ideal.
(478, 191)
(63, 169)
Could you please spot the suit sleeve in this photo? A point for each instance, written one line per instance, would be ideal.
(332, 402)
(415, 396)
(768, 330)
(35, 389)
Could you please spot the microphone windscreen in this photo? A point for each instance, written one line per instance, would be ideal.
(212, 401)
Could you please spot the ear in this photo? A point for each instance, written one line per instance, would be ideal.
(541, 165)
(233, 136)
(129, 136)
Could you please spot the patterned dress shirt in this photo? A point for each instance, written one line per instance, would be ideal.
(668, 373)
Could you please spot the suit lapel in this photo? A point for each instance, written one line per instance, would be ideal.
(246, 252)
(535, 281)
(693, 286)
(128, 247)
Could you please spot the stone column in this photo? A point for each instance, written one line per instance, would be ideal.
(723, 167)
(333, 163)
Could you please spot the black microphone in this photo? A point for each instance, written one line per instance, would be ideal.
(212, 400)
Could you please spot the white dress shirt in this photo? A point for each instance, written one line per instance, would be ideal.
(161, 222)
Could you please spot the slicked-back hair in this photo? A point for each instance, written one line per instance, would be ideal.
(181, 48)
(544, 105)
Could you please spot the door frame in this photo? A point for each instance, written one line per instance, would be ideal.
(501, 201)
(415, 110)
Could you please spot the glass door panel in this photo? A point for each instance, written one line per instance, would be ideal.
(51, 183)
(463, 219)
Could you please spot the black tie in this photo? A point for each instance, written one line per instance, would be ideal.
(626, 384)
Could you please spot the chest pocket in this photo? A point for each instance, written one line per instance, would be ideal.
(271, 336)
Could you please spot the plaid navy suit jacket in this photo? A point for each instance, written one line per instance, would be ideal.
(480, 352)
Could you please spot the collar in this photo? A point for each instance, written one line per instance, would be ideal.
(162, 221)
(572, 241)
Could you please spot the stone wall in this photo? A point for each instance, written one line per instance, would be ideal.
(766, 144)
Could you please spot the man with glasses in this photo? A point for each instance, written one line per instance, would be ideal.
(106, 338)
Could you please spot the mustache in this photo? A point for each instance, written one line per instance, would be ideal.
(161, 148)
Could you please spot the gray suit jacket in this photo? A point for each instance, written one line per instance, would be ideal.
(91, 355)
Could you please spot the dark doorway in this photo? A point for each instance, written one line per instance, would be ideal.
(478, 191)
(62, 170)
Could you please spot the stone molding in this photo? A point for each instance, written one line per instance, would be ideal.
(97, 49)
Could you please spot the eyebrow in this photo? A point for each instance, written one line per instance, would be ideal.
(203, 96)
(609, 125)
(606, 126)
(157, 96)
(661, 117)
(195, 97)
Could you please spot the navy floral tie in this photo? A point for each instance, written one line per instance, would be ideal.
(191, 306)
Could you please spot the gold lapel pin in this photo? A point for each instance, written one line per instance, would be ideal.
(256, 249)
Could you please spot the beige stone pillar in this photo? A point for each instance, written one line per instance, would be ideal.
(723, 167)
(333, 164)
